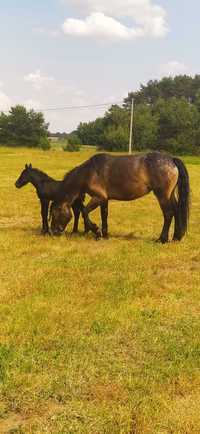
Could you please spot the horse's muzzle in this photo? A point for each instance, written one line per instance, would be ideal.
(57, 231)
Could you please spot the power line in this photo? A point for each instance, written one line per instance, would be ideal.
(75, 107)
(82, 106)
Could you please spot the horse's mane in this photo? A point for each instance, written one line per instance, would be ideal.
(69, 175)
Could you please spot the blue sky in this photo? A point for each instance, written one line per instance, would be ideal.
(57, 53)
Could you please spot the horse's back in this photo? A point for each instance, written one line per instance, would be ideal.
(120, 177)
(127, 177)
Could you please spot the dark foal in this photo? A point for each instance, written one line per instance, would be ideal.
(105, 177)
(47, 189)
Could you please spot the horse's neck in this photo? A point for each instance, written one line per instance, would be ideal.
(71, 188)
(69, 192)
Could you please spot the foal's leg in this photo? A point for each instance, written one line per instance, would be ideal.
(168, 213)
(76, 207)
(44, 214)
(104, 219)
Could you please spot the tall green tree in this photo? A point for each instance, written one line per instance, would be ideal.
(116, 129)
(168, 87)
(145, 133)
(91, 133)
(178, 125)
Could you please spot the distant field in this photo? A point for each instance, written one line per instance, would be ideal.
(59, 144)
(96, 337)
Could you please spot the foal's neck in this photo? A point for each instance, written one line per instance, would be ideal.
(38, 178)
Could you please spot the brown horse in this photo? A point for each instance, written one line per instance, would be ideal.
(105, 177)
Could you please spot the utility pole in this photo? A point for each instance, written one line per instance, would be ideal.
(131, 129)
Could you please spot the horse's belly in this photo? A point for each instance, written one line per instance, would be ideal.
(130, 193)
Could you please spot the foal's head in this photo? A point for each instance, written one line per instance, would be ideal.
(60, 217)
(25, 176)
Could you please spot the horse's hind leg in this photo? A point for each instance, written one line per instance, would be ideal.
(177, 229)
(167, 207)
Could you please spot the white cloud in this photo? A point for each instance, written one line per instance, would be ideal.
(38, 80)
(104, 19)
(173, 68)
(99, 25)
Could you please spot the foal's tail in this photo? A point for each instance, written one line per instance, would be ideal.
(183, 197)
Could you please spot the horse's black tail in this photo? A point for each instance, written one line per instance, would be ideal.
(183, 208)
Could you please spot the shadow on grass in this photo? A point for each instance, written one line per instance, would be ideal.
(78, 235)
(131, 237)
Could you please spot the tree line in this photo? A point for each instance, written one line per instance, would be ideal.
(166, 117)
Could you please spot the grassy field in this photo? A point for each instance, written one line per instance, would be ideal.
(96, 337)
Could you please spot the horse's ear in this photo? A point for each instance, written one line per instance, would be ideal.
(30, 166)
(26, 166)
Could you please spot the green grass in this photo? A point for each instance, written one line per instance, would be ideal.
(96, 337)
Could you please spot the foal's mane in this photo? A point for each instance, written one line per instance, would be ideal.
(42, 175)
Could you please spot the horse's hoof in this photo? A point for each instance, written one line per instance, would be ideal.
(98, 235)
(162, 241)
(58, 234)
(45, 232)
(105, 236)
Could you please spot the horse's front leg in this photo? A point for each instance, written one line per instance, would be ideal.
(91, 206)
(44, 214)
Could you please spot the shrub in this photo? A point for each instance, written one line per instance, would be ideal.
(71, 147)
(73, 143)
(44, 143)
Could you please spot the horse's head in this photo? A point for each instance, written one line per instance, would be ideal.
(60, 215)
(25, 176)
